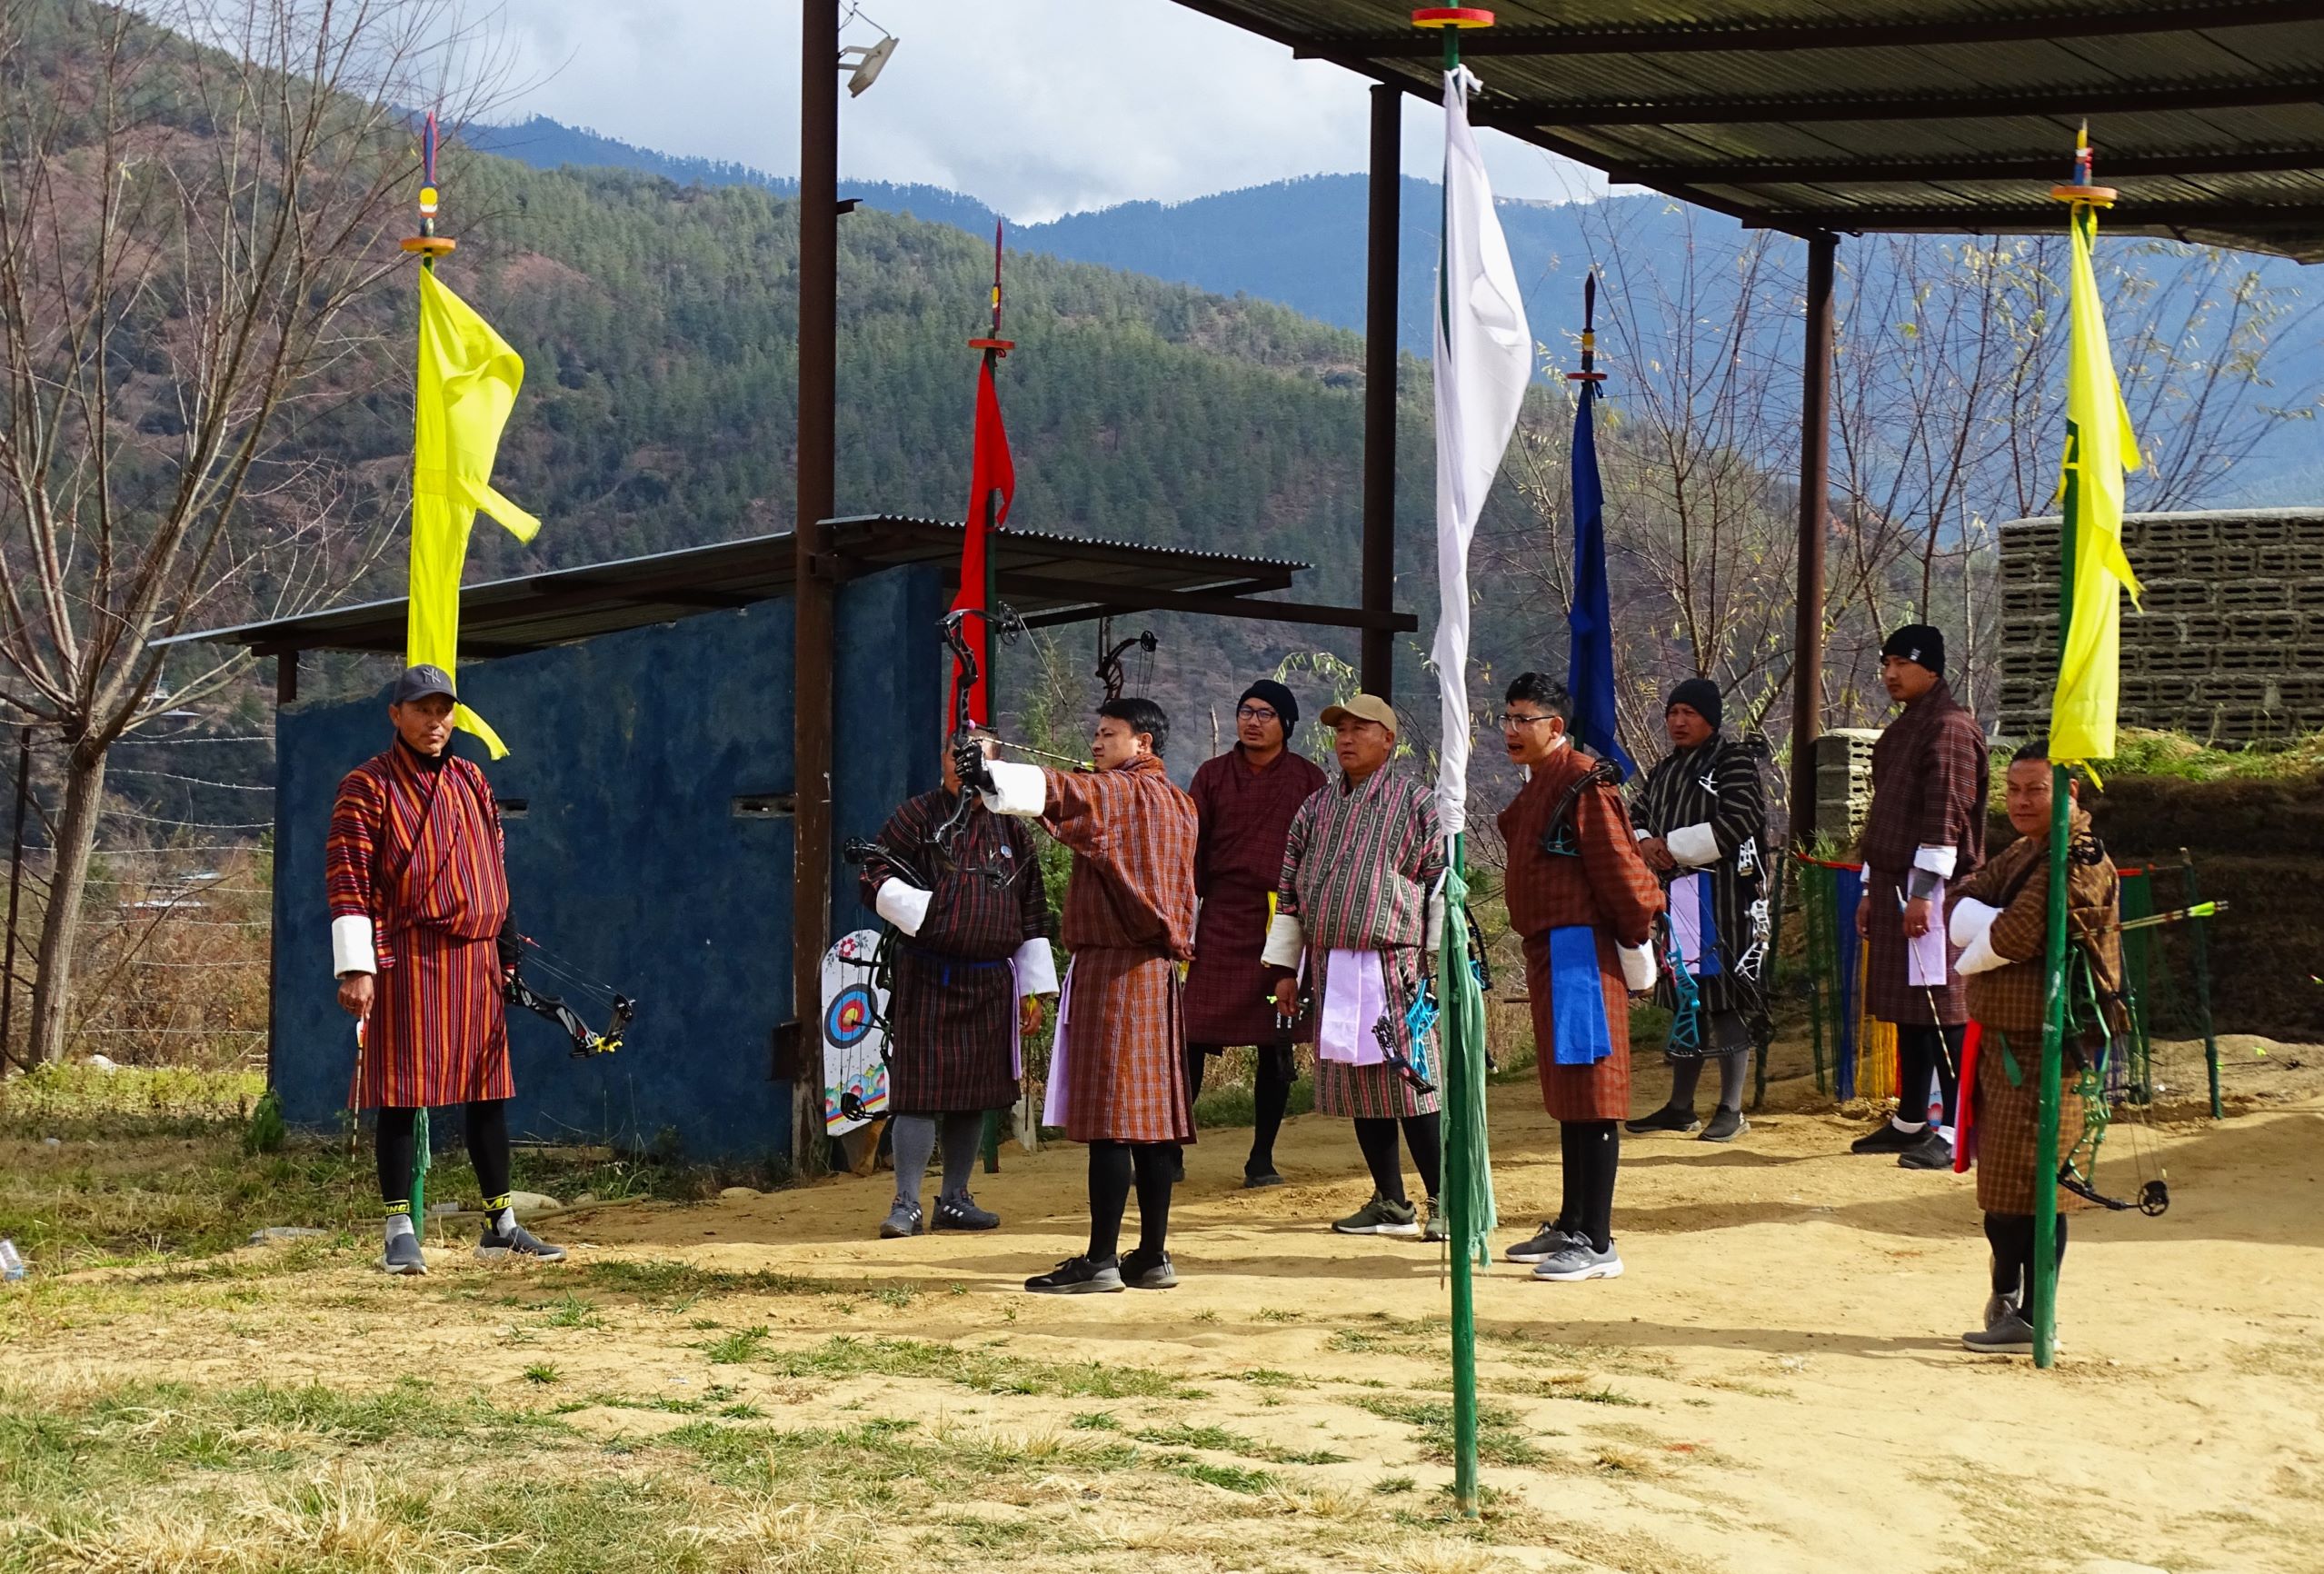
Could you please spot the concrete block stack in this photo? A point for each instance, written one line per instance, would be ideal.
(2230, 647)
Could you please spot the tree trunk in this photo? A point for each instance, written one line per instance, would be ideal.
(76, 834)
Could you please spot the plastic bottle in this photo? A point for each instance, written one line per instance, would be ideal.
(12, 1261)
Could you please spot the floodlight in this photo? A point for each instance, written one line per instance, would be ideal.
(869, 60)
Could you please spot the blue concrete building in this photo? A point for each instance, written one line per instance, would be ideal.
(648, 796)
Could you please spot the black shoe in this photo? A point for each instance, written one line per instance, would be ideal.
(961, 1213)
(519, 1243)
(1665, 1119)
(1887, 1139)
(1140, 1272)
(1725, 1126)
(1255, 1180)
(1078, 1276)
(1931, 1152)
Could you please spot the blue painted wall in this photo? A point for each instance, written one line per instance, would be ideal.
(630, 862)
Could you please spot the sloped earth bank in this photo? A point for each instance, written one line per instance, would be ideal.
(756, 1384)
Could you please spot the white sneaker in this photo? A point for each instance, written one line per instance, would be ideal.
(1579, 1262)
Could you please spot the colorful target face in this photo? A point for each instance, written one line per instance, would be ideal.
(849, 1017)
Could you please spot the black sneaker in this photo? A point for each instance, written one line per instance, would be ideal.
(903, 1220)
(1078, 1276)
(1257, 1180)
(1665, 1119)
(1380, 1216)
(1725, 1126)
(519, 1243)
(402, 1254)
(961, 1213)
(1546, 1244)
(1931, 1152)
(2009, 1335)
(1140, 1272)
(1433, 1228)
(1887, 1139)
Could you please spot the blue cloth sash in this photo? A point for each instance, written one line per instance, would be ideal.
(1578, 997)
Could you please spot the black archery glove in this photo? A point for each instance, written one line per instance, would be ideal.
(970, 766)
(510, 945)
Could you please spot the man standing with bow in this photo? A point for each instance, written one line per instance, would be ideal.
(972, 964)
(1585, 903)
(1244, 800)
(1926, 829)
(1117, 1080)
(424, 945)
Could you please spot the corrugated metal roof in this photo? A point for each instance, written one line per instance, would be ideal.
(1049, 579)
(1946, 116)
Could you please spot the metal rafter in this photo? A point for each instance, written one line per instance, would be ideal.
(2049, 101)
(2000, 166)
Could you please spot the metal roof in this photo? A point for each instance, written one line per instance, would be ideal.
(1948, 116)
(1047, 579)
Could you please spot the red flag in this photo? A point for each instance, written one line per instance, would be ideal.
(993, 481)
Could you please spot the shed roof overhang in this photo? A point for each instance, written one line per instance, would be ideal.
(1046, 578)
(1949, 116)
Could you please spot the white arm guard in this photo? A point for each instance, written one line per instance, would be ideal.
(1036, 969)
(1433, 940)
(1284, 941)
(902, 904)
(1979, 955)
(1937, 861)
(1018, 789)
(1693, 845)
(1970, 919)
(351, 945)
(1637, 966)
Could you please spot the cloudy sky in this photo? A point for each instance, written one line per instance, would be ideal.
(1038, 107)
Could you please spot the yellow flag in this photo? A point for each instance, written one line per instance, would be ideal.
(468, 381)
(2099, 446)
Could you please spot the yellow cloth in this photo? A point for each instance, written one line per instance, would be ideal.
(467, 384)
(2099, 446)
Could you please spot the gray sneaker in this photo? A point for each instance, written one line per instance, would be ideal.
(402, 1255)
(1546, 1244)
(1724, 1126)
(1140, 1271)
(517, 1243)
(904, 1220)
(961, 1213)
(1580, 1261)
(1380, 1216)
(1432, 1228)
(2007, 1335)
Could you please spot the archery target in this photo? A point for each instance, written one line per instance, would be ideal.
(855, 1074)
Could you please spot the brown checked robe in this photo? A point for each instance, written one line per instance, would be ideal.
(1608, 887)
(952, 1009)
(418, 852)
(1129, 921)
(1245, 815)
(1929, 790)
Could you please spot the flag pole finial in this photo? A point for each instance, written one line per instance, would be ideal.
(996, 346)
(2081, 189)
(427, 245)
(1589, 372)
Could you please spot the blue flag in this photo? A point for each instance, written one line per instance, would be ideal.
(1590, 666)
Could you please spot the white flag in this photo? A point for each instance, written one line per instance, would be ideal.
(1484, 359)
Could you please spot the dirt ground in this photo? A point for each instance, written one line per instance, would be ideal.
(1774, 1385)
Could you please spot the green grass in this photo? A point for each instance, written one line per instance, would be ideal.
(664, 1280)
(1389, 1486)
(736, 1348)
(2140, 753)
(845, 1356)
(1499, 1440)
(1219, 1439)
(541, 1371)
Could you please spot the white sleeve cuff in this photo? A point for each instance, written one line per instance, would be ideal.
(1637, 966)
(1970, 919)
(350, 947)
(902, 904)
(1693, 845)
(1979, 955)
(1284, 941)
(1937, 861)
(1642, 834)
(1018, 789)
(1036, 969)
(1433, 940)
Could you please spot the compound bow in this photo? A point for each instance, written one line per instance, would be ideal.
(1109, 670)
(2078, 1165)
(620, 1011)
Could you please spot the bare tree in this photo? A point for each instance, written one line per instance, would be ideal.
(194, 198)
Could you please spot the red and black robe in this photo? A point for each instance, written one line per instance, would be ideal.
(1244, 816)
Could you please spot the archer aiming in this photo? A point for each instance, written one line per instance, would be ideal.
(422, 939)
(2000, 918)
(964, 888)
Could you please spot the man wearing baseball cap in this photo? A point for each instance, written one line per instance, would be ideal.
(424, 945)
(1363, 867)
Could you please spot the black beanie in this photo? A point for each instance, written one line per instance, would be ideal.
(1275, 694)
(1917, 643)
(1699, 695)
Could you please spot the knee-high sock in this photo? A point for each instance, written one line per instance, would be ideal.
(1377, 1138)
(486, 1123)
(1572, 1190)
(1110, 1169)
(1923, 1050)
(964, 1140)
(2011, 1238)
(1196, 1054)
(914, 1138)
(1156, 1167)
(1601, 1144)
(1271, 1095)
(1686, 1074)
(1424, 1134)
(1733, 1067)
(397, 1150)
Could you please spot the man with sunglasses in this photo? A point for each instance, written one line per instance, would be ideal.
(1244, 800)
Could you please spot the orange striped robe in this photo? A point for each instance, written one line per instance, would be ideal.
(420, 853)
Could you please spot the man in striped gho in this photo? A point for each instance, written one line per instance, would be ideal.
(423, 943)
(1117, 1080)
(1358, 909)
